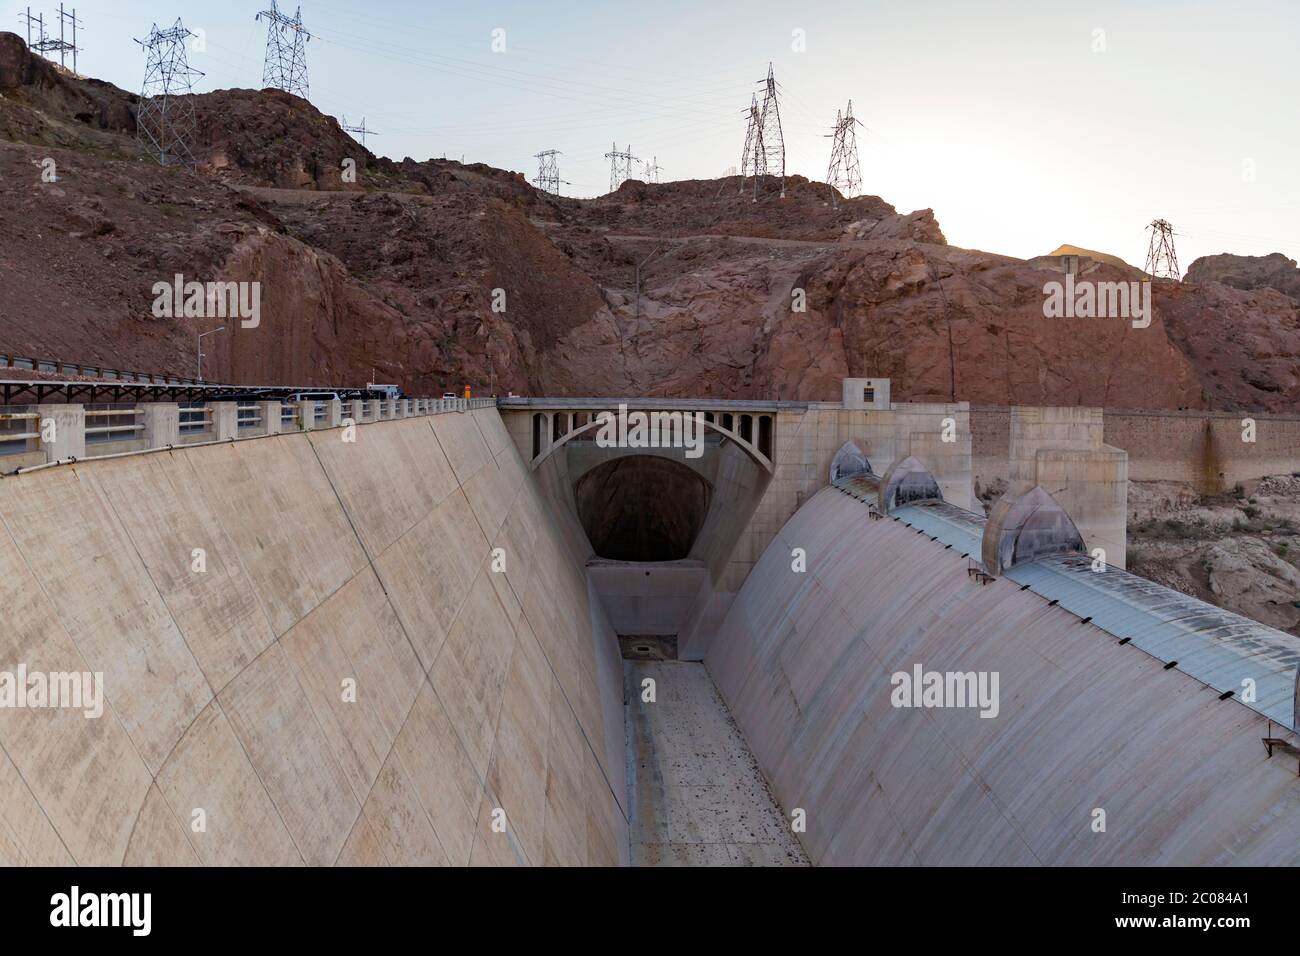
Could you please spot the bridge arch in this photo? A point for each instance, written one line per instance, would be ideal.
(752, 432)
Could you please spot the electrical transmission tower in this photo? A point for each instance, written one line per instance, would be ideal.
(359, 130)
(165, 123)
(1162, 263)
(844, 174)
(764, 142)
(652, 170)
(286, 51)
(753, 161)
(48, 45)
(548, 171)
(620, 174)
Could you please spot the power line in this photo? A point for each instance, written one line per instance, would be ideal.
(47, 44)
(1162, 263)
(286, 52)
(764, 153)
(359, 130)
(548, 171)
(844, 175)
(165, 123)
(620, 174)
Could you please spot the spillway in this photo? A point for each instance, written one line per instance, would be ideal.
(404, 649)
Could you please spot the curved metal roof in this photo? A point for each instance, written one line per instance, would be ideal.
(1220, 648)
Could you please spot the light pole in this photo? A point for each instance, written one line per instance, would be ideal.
(198, 345)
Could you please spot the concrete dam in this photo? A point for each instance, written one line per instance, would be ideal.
(434, 634)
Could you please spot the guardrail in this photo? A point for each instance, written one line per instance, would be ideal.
(32, 435)
(54, 367)
(112, 423)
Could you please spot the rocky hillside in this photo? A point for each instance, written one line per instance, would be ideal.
(1239, 550)
(438, 274)
(1249, 273)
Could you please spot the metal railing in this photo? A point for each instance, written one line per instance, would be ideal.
(117, 428)
(106, 423)
(53, 367)
(195, 419)
(20, 426)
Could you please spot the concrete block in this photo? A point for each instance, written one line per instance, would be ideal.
(225, 420)
(270, 417)
(66, 425)
(162, 424)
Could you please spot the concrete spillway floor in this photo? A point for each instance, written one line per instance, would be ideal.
(696, 796)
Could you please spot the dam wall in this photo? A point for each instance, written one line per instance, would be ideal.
(314, 651)
(1202, 449)
(1087, 731)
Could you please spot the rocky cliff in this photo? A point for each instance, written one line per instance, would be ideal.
(438, 274)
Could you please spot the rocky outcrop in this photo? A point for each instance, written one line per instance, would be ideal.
(919, 226)
(1250, 273)
(438, 274)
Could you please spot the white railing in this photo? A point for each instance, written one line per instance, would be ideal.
(249, 415)
(122, 429)
(19, 429)
(106, 423)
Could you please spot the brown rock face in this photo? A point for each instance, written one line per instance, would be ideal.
(1249, 273)
(438, 275)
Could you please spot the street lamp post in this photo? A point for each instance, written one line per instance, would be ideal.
(198, 344)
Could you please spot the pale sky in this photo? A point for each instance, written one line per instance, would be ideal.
(1022, 124)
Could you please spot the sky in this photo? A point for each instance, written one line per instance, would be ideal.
(1023, 125)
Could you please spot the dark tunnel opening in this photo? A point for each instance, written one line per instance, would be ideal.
(642, 508)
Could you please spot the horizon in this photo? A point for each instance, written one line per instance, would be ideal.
(971, 125)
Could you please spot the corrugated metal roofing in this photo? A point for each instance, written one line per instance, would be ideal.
(1217, 647)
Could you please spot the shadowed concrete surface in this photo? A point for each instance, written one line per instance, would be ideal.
(1085, 723)
(642, 508)
(327, 562)
(696, 796)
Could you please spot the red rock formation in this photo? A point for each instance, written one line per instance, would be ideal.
(685, 288)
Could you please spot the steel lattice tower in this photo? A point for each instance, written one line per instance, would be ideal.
(286, 52)
(359, 130)
(620, 174)
(764, 142)
(753, 161)
(46, 45)
(844, 174)
(1162, 262)
(652, 170)
(548, 171)
(165, 123)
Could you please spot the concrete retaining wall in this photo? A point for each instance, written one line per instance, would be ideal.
(328, 565)
(805, 662)
(1204, 449)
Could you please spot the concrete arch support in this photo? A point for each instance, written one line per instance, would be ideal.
(1025, 527)
(907, 481)
(850, 460)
